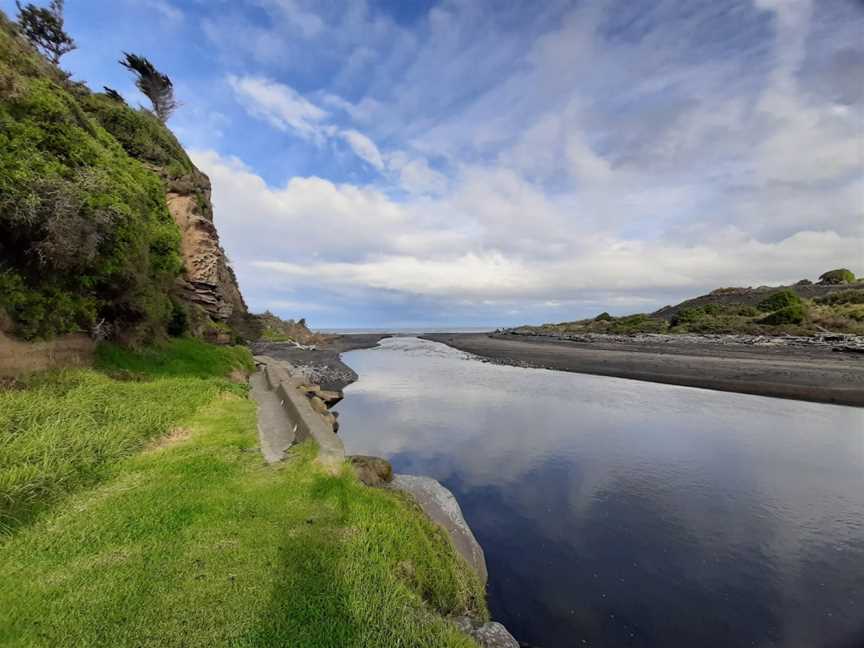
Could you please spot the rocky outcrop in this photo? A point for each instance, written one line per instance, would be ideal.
(208, 281)
(441, 506)
(489, 635)
(372, 471)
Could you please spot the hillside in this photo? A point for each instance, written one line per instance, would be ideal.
(805, 308)
(106, 226)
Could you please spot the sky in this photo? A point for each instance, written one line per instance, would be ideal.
(472, 162)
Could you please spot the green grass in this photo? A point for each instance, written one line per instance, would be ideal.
(138, 512)
(196, 542)
(185, 357)
(60, 430)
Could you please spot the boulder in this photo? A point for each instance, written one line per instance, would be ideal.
(442, 508)
(319, 406)
(372, 471)
(488, 635)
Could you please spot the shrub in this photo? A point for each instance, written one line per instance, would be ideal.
(688, 316)
(604, 317)
(792, 314)
(178, 324)
(85, 233)
(639, 323)
(842, 297)
(838, 276)
(779, 300)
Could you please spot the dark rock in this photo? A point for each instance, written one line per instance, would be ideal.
(488, 635)
(441, 507)
(372, 471)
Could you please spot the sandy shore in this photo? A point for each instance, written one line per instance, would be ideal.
(803, 374)
(324, 364)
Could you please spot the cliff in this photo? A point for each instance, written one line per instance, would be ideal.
(106, 226)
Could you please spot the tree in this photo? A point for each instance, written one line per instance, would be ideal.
(112, 94)
(155, 85)
(44, 28)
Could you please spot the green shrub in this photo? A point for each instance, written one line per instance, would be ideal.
(842, 297)
(745, 310)
(778, 300)
(178, 325)
(604, 317)
(792, 314)
(639, 323)
(85, 232)
(140, 133)
(838, 276)
(687, 316)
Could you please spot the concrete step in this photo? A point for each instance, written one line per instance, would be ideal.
(276, 432)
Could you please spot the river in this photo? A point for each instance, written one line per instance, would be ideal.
(622, 513)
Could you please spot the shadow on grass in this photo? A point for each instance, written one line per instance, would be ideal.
(312, 602)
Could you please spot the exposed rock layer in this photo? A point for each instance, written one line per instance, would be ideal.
(208, 280)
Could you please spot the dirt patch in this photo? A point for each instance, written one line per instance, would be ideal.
(175, 436)
(18, 358)
(238, 376)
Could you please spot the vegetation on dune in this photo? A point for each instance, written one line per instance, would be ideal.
(778, 300)
(782, 311)
(275, 329)
(85, 230)
(155, 85)
(839, 276)
(185, 537)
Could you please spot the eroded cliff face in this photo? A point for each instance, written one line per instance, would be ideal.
(207, 282)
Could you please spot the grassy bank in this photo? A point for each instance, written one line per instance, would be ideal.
(168, 529)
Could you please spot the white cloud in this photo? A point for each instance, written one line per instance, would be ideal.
(562, 161)
(279, 104)
(314, 232)
(167, 10)
(364, 147)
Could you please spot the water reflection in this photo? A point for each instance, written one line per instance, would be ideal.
(625, 513)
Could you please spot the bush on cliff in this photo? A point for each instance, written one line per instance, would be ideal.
(792, 314)
(85, 233)
(839, 276)
(779, 300)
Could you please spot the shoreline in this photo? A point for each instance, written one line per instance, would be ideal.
(323, 365)
(816, 375)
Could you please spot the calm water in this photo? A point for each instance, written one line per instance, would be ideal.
(623, 513)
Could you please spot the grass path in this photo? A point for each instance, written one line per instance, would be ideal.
(195, 541)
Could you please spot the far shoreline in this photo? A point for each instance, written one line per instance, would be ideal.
(809, 375)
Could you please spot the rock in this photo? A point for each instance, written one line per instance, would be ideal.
(372, 471)
(439, 504)
(319, 406)
(330, 397)
(488, 635)
(208, 280)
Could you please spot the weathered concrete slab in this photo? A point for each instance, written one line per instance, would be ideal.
(275, 428)
(306, 422)
(441, 506)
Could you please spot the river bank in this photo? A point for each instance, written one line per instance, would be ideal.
(811, 373)
(322, 364)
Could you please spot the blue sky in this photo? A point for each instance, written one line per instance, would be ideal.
(470, 163)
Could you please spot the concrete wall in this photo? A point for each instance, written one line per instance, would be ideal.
(310, 424)
(18, 358)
